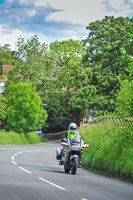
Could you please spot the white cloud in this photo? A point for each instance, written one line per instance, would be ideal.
(78, 11)
(125, 9)
(78, 14)
(9, 1)
(24, 1)
(11, 37)
(40, 3)
(32, 12)
(121, 6)
(116, 3)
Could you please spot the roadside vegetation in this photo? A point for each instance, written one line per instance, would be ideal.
(52, 86)
(110, 151)
(89, 71)
(13, 138)
(111, 141)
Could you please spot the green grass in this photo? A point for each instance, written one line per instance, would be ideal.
(110, 151)
(12, 138)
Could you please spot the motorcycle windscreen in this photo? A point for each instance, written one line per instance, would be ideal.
(77, 139)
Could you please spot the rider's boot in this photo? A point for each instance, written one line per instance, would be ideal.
(61, 162)
(79, 164)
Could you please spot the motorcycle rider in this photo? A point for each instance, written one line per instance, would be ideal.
(71, 134)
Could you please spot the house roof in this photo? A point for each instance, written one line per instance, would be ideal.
(2, 81)
(6, 68)
(64, 89)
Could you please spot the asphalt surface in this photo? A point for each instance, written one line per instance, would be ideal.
(32, 173)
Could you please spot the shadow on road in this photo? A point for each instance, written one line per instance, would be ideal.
(43, 168)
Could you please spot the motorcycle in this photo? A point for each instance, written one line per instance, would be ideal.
(70, 155)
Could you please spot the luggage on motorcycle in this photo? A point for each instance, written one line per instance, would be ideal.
(58, 154)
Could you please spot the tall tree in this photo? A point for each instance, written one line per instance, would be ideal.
(124, 100)
(33, 57)
(66, 56)
(67, 71)
(3, 110)
(6, 56)
(52, 70)
(104, 56)
(25, 108)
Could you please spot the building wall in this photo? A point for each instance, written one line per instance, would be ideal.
(5, 69)
(2, 85)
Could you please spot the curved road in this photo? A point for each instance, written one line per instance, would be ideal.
(32, 173)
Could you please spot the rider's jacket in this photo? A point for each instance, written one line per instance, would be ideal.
(71, 136)
(68, 135)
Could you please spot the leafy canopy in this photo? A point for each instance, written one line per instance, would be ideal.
(124, 100)
(105, 44)
(7, 57)
(3, 109)
(25, 109)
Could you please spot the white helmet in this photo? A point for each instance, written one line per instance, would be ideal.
(72, 128)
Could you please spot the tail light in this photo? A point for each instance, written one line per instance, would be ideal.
(86, 146)
(64, 144)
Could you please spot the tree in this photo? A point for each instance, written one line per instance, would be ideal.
(124, 100)
(6, 56)
(52, 70)
(66, 56)
(3, 110)
(127, 53)
(25, 108)
(33, 56)
(104, 56)
(66, 70)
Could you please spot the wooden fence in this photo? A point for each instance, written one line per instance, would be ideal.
(54, 136)
(117, 120)
(127, 122)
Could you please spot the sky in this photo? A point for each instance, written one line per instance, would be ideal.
(53, 20)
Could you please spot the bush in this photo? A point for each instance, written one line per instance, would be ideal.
(110, 149)
(25, 108)
(33, 138)
(124, 100)
(3, 109)
(12, 138)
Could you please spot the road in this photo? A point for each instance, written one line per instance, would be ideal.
(32, 173)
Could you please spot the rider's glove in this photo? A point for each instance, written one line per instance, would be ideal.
(64, 140)
(68, 143)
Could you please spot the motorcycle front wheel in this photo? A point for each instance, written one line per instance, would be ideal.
(74, 166)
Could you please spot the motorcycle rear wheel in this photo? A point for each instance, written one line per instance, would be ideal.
(74, 166)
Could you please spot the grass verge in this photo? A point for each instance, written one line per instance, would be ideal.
(12, 138)
(110, 151)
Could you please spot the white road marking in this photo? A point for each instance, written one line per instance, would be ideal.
(20, 152)
(61, 188)
(25, 170)
(83, 199)
(14, 162)
(12, 158)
